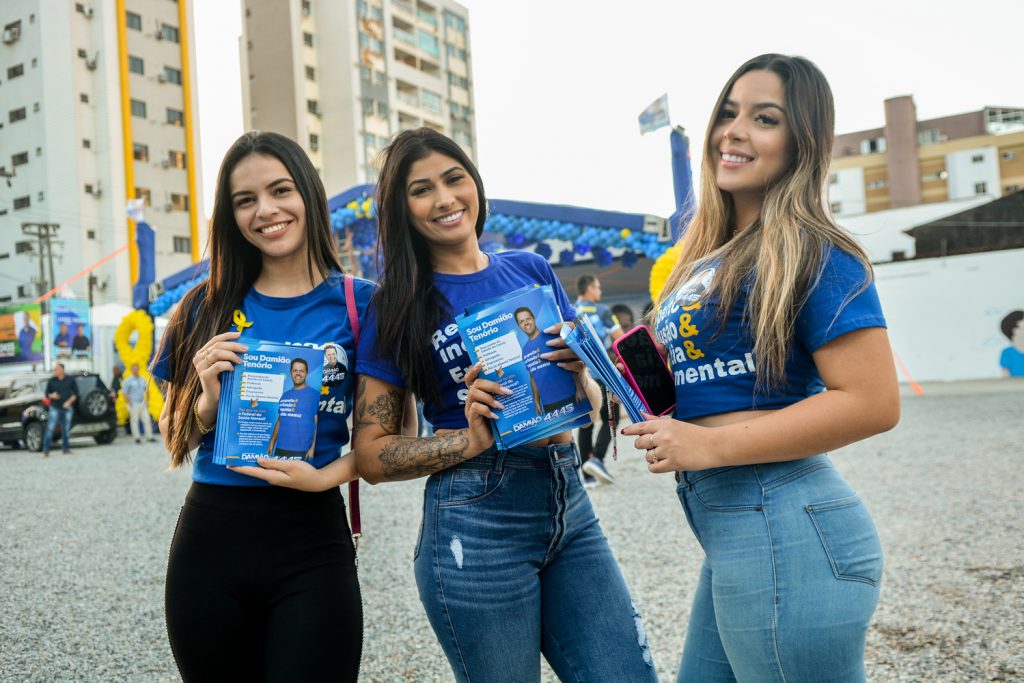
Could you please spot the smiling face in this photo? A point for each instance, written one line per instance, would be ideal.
(268, 208)
(299, 372)
(527, 323)
(331, 355)
(751, 143)
(443, 200)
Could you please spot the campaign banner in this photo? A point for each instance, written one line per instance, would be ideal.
(21, 338)
(72, 331)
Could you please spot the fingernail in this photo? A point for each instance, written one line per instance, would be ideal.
(500, 405)
(505, 390)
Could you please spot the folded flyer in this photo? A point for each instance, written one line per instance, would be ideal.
(268, 404)
(584, 341)
(505, 335)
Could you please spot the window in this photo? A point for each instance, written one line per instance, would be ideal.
(88, 188)
(139, 109)
(15, 71)
(382, 141)
(40, 195)
(314, 142)
(35, 106)
(1007, 156)
(133, 20)
(454, 22)
(175, 117)
(462, 138)
(977, 158)
(176, 159)
(19, 159)
(370, 140)
(82, 53)
(454, 79)
(930, 177)
(833, 178)
(307, 38)
(980, 188)
(90, 234)
(876, 185)
(1011, 188)
(875, 146)
(169, 32)
(431, 101)
(307, 8)
(382, 109)
(313, 107)
(368, 107)
(140, 152)
(179, 202)
(144, 194)
(86, 143)
(456, 52)
(83, 98)
(16, 114)
(22, 202)
(428, 43)
(835, 207)
(310, 73)
(182, 245)
(172, 75)
(136, 66)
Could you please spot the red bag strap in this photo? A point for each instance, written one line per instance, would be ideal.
(353, 486)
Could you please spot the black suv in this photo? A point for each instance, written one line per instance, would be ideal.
(23, 408)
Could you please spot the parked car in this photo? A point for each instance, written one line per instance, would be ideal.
(24, 406)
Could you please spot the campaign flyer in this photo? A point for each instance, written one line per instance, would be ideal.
(505, 335)
(269, 404)
(583, 339)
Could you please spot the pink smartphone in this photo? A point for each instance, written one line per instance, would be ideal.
(646, 371)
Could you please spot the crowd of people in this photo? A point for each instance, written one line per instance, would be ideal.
(771, 325)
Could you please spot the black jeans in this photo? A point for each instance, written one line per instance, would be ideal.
(604, 434)
(262, 586)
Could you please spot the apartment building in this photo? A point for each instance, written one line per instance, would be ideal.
(343, 76)
(97, 106)
(909, 162)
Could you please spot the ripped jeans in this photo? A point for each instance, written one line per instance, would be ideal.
(512, 563)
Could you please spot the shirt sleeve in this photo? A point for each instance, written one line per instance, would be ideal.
(371, 360)
(836, 305)
(608, 319)
(564, 305)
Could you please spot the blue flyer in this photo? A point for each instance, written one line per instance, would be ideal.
(505, 335)
(584, 340)
(269, 404)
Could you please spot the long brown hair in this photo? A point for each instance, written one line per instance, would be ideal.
(206, 310)
(409, 307)
(782, 251)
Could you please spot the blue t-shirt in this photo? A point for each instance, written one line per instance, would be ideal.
(296, 412)
(601, 317)
(1012, 361)
(505, 273)
(316, 319)
(715, 369)
(554, 385)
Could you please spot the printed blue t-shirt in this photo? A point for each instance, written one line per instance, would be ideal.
(715, 369)
(554, 384)
(505, 273)
(1012, 361)
(601, 317)
(297, 410)
(316, 319)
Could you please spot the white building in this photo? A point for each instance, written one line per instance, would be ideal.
(97, 105)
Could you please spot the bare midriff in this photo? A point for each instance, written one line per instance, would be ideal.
(723, 419)
(564, 437)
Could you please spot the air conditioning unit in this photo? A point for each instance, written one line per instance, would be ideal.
(160, 78)
(90, 64)
(165, 163)
(26, 291)
(658, 226)
(11, 34)
(155, 290)
(159, 35)
(168, 207)
(88, 12)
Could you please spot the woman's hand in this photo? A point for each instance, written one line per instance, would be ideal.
(218, 355)
(481, 402)
(673, 445)
(560, 353)
(298, 474)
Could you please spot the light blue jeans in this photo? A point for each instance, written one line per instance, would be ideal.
(57, 415)
(790, 578)
(512, 563)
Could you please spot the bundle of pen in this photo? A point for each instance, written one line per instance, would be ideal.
(584, 341)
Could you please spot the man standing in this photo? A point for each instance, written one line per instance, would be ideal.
(63, 393)
(553, 388)
(294, 434)
(608, 330)
(136, 390)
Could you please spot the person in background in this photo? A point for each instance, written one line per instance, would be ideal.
(608, 330)
(62, 392)
(80, 343)
(624, 314)
(1011, 360)
(135, 390)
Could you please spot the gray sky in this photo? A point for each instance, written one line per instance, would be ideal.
(559, 85)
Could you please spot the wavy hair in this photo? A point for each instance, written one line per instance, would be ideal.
(206, 310)
(409, 306)
(780, 255)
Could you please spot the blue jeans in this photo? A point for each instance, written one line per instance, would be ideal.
(790, 578)
(54, 415)
(512, 563)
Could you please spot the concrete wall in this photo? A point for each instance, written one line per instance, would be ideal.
(944, 313)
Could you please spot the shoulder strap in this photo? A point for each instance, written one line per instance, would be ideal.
(353, 486)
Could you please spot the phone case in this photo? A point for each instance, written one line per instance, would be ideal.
(639, 329)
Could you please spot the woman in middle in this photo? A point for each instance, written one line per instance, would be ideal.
(511, 561)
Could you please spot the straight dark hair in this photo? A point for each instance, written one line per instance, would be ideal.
(409, 307)
(207, 309)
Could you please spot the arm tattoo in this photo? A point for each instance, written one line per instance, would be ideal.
(386, 410)
(408, 457)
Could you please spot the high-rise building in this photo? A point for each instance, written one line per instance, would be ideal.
(342, 76)
(97, 106)
(911, 162)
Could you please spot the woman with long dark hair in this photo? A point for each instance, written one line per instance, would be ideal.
(261, 581)
(769, 304)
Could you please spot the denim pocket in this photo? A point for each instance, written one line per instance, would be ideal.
(466, 485)
(849, 538)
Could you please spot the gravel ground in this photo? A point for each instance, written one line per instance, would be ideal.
(83, 547)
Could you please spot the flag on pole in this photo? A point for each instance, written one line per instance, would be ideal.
(655, 115)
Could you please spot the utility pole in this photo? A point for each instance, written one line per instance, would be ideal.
(45, 234)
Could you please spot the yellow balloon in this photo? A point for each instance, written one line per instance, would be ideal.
(137, 321)
(662, 268)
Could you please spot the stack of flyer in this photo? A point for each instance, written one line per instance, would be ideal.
(506, 336)
(268, 404)
(584, 341)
